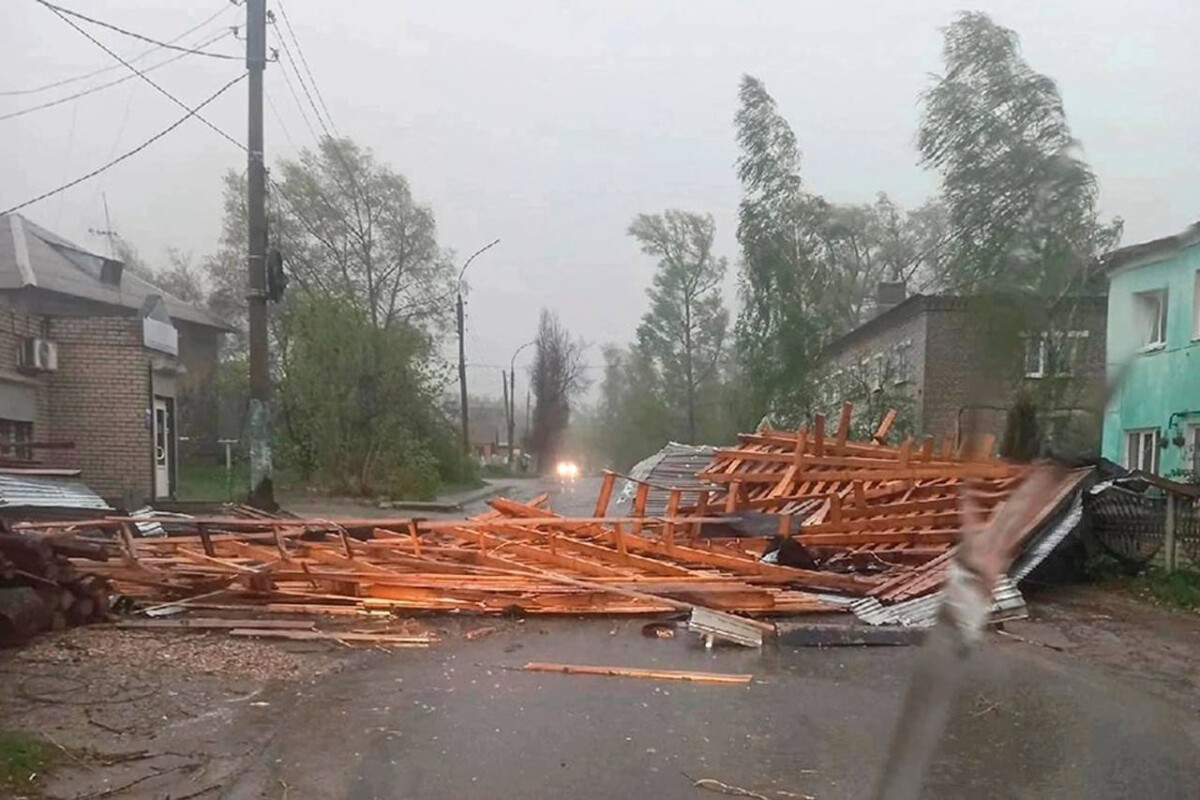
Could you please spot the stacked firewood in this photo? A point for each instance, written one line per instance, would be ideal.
(41, 589)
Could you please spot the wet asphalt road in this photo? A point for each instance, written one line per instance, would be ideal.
(457, 721)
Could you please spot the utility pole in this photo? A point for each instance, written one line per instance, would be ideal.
(462, 375)
(262, 491)
(507, 414)
(512, 395)
(462, 348)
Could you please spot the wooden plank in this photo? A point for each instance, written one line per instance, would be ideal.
(819, 434)
(635, 672)
(843, 431)
(605, 496)
(639, 505)
(979, 469)
(388, 639)
(885, 427)
(672, 510)
(215, 623)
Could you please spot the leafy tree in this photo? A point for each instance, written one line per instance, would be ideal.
(634, 418)
(684, 330)
(782, 280)
(865, 245)
(556, 377)
(354, 342)
(358, 403)
(1021, 202)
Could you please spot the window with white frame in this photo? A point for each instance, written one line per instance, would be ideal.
(1057, 353)
(1035, 357)
(1141, 450)
(1150, 317)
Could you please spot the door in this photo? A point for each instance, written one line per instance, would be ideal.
(163, 446)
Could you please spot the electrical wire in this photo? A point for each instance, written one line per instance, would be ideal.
(60, 10)
(110, 68)
(303, 60)
(161, 90)
(192, 112)
(316, 112)
(292, 90)
(279, 118)
(85, 92)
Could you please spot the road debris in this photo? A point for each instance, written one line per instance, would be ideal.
(635, 672)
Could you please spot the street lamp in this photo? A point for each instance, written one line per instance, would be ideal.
(511, 411)
(462, 350)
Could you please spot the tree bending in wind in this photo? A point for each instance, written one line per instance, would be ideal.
(684, 330)
(1021, 201)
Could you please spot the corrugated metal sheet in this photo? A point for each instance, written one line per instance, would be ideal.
(675, 467)
(1036, 552)
(40, 491)
(921, 612)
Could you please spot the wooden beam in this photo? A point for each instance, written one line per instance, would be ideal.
(632, 672)
(885, 427)
(606, 490)
(843, 431)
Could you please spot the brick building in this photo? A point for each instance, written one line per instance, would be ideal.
(94, 356)
(953, 364)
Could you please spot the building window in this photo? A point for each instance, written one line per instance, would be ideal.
(1056, 353)
(1192, 455)
(1150, 317)
(1035, 356)
(15, 437)
(1141, 450)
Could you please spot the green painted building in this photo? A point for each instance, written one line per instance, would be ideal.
(1153, 420)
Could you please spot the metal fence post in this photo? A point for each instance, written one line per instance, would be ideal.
(1169, 555)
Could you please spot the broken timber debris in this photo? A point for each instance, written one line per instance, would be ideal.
(634, 672)
(782, 524)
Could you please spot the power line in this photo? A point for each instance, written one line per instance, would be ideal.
(304, 61)
(299, 105)
(279, 118)
(192, 112)
(65, 81)
(94, 89)
(163, 91)
(60, 10)
(316, 111)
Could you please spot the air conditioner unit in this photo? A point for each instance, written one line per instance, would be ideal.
(39, 355)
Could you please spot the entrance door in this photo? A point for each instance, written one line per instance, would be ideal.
(162, 446)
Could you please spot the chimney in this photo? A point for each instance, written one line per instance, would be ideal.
(889, 294)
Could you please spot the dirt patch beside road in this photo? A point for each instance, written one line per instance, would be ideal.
(1155, 647)
(152, 711)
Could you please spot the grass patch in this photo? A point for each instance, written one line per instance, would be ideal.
(207, 481)
(1179, 589)
(22, 755)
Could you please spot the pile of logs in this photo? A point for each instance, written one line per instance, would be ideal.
(41, 588)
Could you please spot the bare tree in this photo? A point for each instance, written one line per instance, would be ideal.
(557, 375)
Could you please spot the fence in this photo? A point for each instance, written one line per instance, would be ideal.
(1158, 525)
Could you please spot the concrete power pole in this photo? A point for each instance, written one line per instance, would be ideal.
(462, 349)
(462, 375)
(262, 492)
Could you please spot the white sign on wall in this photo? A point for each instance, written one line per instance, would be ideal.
(160, 336)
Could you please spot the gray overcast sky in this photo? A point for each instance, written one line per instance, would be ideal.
(551, 124)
